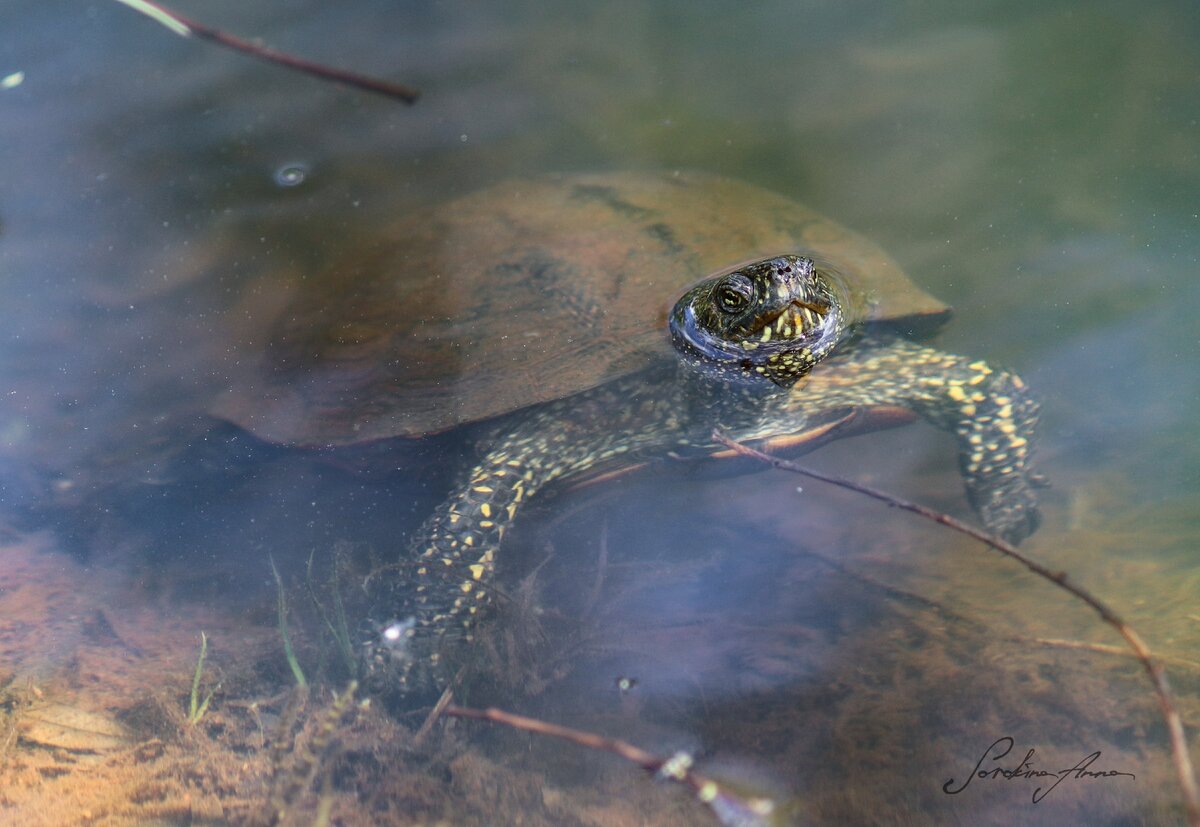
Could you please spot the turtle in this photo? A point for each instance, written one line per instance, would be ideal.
(591, 321)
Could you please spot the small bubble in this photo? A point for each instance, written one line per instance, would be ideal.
(291, 175)
(625, 684)
(395, 635)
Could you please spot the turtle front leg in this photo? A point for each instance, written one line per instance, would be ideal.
(990, 411)
(451, 560)
(449, 567)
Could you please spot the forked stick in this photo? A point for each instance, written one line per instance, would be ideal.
(1179, 750)
(728, 806)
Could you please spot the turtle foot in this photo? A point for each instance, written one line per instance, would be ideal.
(1009, 506)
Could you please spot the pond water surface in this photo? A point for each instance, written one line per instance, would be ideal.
(1036, 165)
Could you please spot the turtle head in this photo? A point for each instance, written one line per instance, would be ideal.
(774, 318)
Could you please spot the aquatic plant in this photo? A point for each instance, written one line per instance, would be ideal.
(288, 652)
(334, 618)
(196, 707)
(296, 763)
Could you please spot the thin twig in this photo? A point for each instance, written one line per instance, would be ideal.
(728, 806)
(1179, 750)
(950, 614)
(1105, 649)
(447, 697)
(185, 27)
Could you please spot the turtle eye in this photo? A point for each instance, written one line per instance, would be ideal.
(734, 293)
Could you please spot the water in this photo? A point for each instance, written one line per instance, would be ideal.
(1034, 164)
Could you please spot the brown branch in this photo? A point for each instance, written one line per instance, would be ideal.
(1105, 649)
(186, 27)
(728, 806)
(1179, 750)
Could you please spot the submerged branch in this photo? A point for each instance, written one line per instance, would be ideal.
(1179, 750)
(728, 806)
(185, 27)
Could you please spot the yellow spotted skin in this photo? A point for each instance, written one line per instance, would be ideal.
(675, 407)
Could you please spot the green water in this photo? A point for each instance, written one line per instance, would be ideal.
(1037, 165)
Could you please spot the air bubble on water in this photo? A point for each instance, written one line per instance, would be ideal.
(396, 635)
(291, 175)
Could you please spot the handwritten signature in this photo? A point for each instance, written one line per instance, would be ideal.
(1001, 747)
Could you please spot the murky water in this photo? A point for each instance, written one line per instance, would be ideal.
(1037, 165)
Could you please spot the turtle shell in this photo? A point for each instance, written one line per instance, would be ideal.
(526, 292)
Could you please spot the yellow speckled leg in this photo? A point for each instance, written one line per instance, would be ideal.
(989, 410)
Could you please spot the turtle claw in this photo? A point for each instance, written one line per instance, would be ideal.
(1009, 507)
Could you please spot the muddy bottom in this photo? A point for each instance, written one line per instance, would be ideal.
(852, 675)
